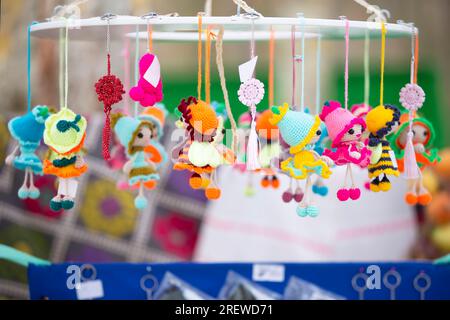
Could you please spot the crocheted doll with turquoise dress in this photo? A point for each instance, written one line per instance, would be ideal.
(301, 131)
(136, 135)
(28, 130)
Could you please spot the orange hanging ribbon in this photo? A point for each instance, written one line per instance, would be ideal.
(271, 65)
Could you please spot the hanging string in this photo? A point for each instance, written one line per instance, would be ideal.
(413, 57)
(150, 37)
(367, 68)
(29, 66)
(126, 71)
(252, 40)
(207, 66)
(66, 63)
(136, 68)
(302, 100)
(61, 67)
(347, 47)
(199, 58)
(416, 54)
(383, 53)
(294, 60)
(318, 67)
(271, 65)
(223, 84)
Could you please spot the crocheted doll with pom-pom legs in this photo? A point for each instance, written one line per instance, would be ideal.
(381, 121)
(345, 131)
(149, 88)
(136, 135)
(301, 131)
(202, 152)
(28, 130)
(426, 155)
(64, 134)
(270, 150)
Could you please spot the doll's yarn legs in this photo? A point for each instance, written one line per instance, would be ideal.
(306, 207)
(289, 195)
(270, 179)
(65, 199)
(385, 184)
(319, 187)
(212, 192)
(417, 193)
(28, 189)
(140, 202)
(354, 192)
(249, 191)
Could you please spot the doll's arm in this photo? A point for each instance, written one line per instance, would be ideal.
(419, 148)
(353, 154)
(10, 158)
(376, 153)
(79, 162)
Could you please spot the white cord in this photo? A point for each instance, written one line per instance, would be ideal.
(244, 6)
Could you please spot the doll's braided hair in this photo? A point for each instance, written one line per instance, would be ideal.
(374, 139)
(186, 116)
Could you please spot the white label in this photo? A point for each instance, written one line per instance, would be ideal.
(68, 187)
(393, 159)
(89, 290)
(246, 69)
(268, 272)
(153, 73)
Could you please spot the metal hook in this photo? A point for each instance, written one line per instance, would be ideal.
(251, 15)
(150, 15)
(108, 16)
(426, 284)
(151, 288)
(85, 267)
(357, 287)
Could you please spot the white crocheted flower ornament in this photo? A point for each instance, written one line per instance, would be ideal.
(412, 97)
(251, 92)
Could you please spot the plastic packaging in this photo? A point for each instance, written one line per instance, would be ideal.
(299, 289)
(173, 288)
(237, 287)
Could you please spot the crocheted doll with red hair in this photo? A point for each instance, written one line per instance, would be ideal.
(345, 130)
(202, 152)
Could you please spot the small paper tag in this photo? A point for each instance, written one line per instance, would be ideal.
(268, 272)
(153, 73)
(71, 190)
(393, 159)
(89, 290)
(247, 68)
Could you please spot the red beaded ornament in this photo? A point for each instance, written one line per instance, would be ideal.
(109, 89)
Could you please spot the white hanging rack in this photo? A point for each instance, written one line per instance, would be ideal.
(237, 28)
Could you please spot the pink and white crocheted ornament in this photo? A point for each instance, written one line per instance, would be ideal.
(251, 92)
(412, 97)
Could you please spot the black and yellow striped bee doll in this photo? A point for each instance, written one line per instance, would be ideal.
(381, 121)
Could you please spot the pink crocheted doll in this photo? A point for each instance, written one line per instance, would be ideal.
(149, 88)
(345, 131)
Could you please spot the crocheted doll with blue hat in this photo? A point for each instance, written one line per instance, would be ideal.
(301, 131)
(136, 136)
(64, 134)
(28, 130)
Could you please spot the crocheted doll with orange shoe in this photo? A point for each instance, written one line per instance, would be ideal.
(64, 134)
(136, 135)
(270, 149)
(202, 153)
(381, 121)
(345, 131)
(426, 155)
(301, 131)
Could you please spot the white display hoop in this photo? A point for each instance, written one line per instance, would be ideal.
(237, 28)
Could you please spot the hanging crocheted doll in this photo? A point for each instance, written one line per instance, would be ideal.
(270, 149)
(426, 155)
(301, 131)
(202, 152)
(148, 90)
(345, 131)
(136, 136)
(381, 121)
(64, 134)
(28, 130)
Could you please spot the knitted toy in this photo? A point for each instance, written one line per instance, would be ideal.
(291, 193)
(149, 88)
(202, 152)
(381, 121)
(301, 131)
(136, 136)
(423, 138)
(345, 131)
(270, 150)
(28, 131)
(64, 134)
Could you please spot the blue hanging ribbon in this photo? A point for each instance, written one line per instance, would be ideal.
(29, 65)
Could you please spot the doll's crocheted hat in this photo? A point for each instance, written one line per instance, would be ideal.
(155, 114)
(264, 128)
(296, 128)
(64, 131)
(360, 110)
(338, 121)
(381, 118)
(29, 127)
(404, 124)
(199, 115)
(125, 129)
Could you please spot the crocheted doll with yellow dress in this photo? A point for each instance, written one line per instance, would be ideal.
(381, 121)
(301, 131)
(64, 134)
(202, 153)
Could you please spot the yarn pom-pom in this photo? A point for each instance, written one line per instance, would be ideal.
(328, 108)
